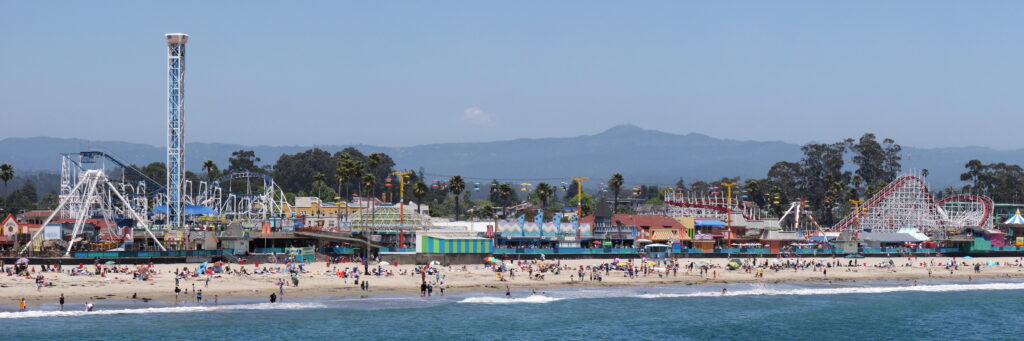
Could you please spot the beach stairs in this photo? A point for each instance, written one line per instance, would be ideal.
(229, 258)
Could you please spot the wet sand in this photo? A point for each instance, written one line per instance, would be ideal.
(320, 280)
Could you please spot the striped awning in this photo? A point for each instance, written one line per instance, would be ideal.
(668, 234)
(1016, 219)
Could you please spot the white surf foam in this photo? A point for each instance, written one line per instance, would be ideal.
(162, 310)
(847, 290)
(503, 300)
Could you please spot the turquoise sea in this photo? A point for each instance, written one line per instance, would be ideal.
(991, 310)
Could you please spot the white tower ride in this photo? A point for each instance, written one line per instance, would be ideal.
(175, 127)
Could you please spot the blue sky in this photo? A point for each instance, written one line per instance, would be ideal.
(927, 73)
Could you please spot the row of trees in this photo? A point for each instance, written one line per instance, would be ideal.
(821, 178)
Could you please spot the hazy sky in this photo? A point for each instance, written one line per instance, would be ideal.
(928, 73)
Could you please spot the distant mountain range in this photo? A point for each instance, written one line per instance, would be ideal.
(643, 156)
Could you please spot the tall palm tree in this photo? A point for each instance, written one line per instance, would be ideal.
(318, 177)
(419, 190)
(6, 174)
(357, 173)
(544, 192)
(344, 173)
(505, 193)
(456, 185)
(210, 168)
(615, 183)
(368, 181)
(372, 161)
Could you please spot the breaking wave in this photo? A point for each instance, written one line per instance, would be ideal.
(503, 300)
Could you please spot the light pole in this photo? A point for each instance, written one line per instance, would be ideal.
(728, 213)
(401, 204)
(856, 212)
(579, 195)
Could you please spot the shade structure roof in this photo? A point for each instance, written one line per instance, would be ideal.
(189, 210)
(708, 222)
(1016, 219)
(888, 237)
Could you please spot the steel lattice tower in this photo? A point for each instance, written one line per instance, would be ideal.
(175, 126)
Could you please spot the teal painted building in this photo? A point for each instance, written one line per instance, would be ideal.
(431, 243)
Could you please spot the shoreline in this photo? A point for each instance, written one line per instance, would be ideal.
(116, 287)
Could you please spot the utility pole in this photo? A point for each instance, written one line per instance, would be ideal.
(728, 214)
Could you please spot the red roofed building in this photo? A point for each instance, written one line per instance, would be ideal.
(34, 217)
(650, 227)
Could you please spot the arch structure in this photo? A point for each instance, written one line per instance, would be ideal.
(908, 203)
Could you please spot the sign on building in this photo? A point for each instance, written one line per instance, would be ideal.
(52, 231)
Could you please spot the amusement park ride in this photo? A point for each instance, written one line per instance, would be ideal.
(905, 203)
(88, 189)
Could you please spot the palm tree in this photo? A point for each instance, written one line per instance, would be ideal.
(6, 174)
(615, 183)
(419, 190)
(344, 172)
(456, 185)
(505, 192)
(357, 173)
(368, 181)
(544, 192)
(318, 177)
(372, 161)
(210, 168)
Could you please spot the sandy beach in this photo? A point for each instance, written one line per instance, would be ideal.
(319, 280)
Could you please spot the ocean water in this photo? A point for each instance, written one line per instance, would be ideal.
(991, 310)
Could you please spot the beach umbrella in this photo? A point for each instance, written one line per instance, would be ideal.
(968, 257)
(383, 263)
(110, 262)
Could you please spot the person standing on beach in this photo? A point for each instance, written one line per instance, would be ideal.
(61, 301)
(199, 296)
(21, 305)
(508, 291)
